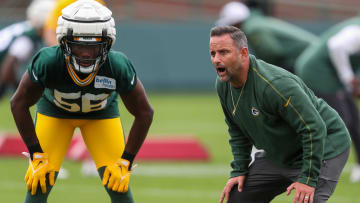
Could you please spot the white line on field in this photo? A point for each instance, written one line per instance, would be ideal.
(182, 170)
(192, 170)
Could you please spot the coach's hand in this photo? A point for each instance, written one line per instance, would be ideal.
(303, 193)
(229, 185)
(38, 168)
(117, 176)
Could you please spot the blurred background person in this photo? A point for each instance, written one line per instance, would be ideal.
(329, 68)
(264, 6)
(51, 21)
(270, 39)
(19, 41)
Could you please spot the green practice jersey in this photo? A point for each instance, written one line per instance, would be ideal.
(275, 41)
(315, 67)
(277, 112)
(62, 98)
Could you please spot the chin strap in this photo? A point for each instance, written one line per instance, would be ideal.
(81, 82)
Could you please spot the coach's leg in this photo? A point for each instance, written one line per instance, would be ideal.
(329, 176)
(262, 184)
(105, 142)
(54, 143)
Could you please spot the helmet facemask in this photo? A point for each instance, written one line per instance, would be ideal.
(86, 54)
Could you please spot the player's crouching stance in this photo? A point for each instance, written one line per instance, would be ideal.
(76, 85)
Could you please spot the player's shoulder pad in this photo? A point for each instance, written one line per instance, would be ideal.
(119, 60)
(49, 56)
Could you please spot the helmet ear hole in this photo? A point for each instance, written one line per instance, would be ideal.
(104, 32)
(69, 32)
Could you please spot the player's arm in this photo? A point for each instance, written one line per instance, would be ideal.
(138, 105)
(340, 47)
(117, 176)
(26, 95)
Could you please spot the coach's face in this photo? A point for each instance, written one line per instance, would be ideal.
(226, 58)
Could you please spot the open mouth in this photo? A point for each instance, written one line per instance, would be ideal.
(220, 70)
(85, 64)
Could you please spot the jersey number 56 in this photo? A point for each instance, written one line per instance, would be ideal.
(89, 102)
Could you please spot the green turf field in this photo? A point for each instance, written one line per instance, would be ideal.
(196, 114)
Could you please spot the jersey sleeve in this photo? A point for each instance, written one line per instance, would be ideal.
(37, 69)
(239, 143)
(126, 77)
(288, 98)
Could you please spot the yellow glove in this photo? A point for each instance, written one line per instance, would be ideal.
(38, 168)
(117, 176)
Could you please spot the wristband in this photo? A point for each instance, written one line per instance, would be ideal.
(129, 157)
(33, 149)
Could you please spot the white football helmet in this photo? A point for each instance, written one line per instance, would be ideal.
(38, 11)
(232, 13)
(85, 24)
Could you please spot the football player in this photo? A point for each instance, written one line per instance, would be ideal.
(19, 42)
(330, 68)
(76, 85)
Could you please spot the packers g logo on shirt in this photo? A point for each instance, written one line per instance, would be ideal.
(255, 111)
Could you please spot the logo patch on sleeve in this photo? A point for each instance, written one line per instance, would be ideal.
(105, 82)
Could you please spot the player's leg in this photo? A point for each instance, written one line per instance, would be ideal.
(354, 130)
(55, 143)
(106, 142)
(263, 182)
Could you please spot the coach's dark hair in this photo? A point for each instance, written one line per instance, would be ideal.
(235, 33)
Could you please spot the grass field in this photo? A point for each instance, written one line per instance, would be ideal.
(195, 114)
